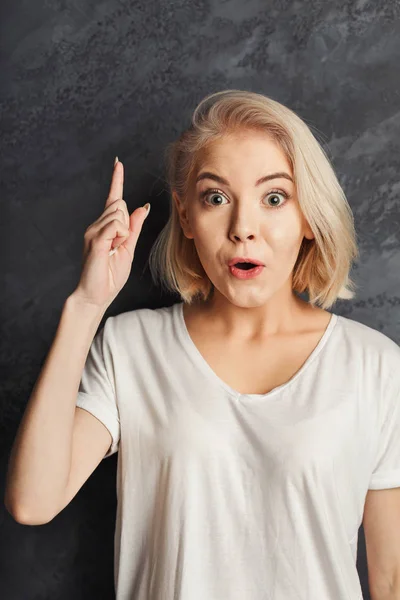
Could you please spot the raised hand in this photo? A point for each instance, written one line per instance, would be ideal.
(109, 246)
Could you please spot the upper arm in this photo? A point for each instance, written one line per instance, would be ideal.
(381, 524)
(91, 440)
(96, 429)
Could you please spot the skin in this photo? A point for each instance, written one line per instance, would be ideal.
(260, 317)
(241, 220)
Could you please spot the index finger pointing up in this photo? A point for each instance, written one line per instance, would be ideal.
(117, 184)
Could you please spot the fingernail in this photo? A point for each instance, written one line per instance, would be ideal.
(116, 160)
(147, 207)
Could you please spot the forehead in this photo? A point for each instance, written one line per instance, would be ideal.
(246, 149)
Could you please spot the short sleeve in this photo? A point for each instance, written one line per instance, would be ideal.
(386, 472)
(97, 386)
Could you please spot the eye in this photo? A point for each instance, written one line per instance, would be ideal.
(204, 195)
(273, 193)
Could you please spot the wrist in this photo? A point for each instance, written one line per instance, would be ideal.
(75, 302)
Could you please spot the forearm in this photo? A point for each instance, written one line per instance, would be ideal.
(390, 594)
(40, 459)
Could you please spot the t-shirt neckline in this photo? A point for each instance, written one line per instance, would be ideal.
(202, 364)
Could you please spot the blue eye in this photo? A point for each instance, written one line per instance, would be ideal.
(214, 192)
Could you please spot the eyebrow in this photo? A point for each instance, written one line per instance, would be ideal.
(219, 179)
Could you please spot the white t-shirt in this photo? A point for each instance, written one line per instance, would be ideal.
(235, 496)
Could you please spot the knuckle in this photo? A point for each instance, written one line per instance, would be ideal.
(123, 208)
(119, 202)
(117, 219)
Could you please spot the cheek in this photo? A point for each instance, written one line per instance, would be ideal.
(207, 233)
(283, 238)
(285, 233)
(198, 223)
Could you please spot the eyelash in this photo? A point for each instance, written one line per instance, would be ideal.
(208, 192)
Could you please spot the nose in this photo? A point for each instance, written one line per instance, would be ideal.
(243, 226)
(241, 237)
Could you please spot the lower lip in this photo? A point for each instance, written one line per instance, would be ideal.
(246, 274)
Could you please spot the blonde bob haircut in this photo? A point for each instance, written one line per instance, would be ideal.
(323, 263)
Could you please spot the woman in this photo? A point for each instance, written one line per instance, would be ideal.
(250, 423)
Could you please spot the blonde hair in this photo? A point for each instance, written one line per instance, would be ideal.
(323, 264)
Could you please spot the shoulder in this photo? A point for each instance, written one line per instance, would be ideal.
(367, 335)
(369, 342)
(138, 322)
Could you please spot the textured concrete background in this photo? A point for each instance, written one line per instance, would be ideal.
(84, 81)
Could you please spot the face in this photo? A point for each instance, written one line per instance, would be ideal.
(242, 217)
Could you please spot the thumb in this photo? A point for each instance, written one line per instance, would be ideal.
(136, 220)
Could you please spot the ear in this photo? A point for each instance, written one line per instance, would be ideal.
(308, 233)
(182, 214)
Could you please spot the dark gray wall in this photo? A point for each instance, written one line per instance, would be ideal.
(84, 81)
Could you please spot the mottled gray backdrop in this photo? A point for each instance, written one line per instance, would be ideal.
(83, 81)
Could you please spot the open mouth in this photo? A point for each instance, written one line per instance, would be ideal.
(245, 266)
